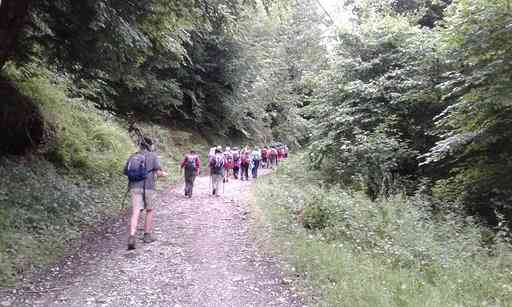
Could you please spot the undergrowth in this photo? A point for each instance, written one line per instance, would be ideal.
(42, 212)
(356, 252)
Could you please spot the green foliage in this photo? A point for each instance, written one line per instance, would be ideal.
(372, 115)
(474, 129)
(386, 253)
(275, 62)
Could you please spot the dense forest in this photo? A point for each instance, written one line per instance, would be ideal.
(404, 97)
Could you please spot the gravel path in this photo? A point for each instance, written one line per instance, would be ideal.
(204, 256)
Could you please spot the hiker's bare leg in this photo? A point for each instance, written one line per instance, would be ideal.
(134, 219)
(148, 223)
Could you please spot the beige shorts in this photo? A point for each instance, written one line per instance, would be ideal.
(138, 199)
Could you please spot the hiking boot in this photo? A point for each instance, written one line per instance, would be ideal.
(148, 238)
(131, 243)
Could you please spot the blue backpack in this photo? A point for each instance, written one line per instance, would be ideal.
(136, 168)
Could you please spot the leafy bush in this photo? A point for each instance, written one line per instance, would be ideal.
(315, 217)
(312, 209)
(389, 253)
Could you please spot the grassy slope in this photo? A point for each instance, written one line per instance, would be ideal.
(48, 198)
(390, 253)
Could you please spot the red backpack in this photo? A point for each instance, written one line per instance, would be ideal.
(246, 158)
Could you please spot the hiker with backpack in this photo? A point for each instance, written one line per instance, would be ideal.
(142, 169)
(216, 164)
(236, 162)
(191, 164)
(228, 163)
(264, 157)
(273, 157)
(245, 162)
(256, 158)
(280, 153)
(269, 161)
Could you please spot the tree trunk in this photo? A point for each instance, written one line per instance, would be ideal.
(13, 14)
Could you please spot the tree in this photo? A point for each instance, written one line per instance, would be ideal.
(13, 16)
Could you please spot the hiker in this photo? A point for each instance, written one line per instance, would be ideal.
(191, 164)
(245, 162)
(269, 161)
(264, 157)
(273, 157)
(142, 168)
(236, 162)
(256, 158)
(280, 153)
(228, 163)
(216, 170)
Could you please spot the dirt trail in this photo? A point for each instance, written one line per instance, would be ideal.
(203, 257)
